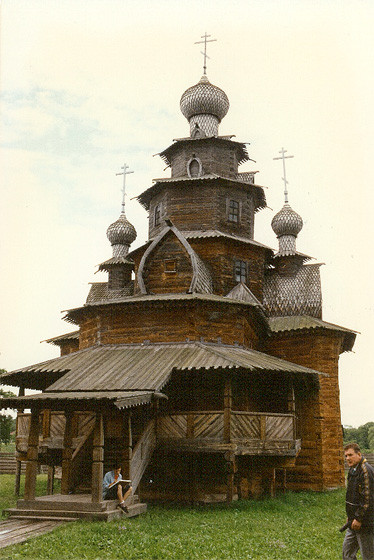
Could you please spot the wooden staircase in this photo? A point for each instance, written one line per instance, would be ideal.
(142, 454)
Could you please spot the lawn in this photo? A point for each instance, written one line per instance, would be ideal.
(291, 526)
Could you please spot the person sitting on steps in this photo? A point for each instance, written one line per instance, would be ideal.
(112, 490)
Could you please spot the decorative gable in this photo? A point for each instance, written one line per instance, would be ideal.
(170, 265)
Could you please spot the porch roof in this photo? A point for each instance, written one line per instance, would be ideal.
(143, 367)
(81, 399)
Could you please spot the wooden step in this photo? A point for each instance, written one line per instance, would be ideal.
(136, 509)
(66, 515)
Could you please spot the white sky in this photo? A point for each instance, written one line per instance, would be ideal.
(88, 85)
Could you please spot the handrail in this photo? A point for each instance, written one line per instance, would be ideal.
(244, 412)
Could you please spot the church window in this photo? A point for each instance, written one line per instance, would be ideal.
(233, 211)
(194, 168)
(240, 271)
(157, 215)
(170, 265)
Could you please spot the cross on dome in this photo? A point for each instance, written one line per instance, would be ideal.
(205, 41)
(125, 172)
(284, 157)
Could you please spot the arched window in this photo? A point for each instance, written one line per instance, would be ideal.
(194, 168)
(157, 215)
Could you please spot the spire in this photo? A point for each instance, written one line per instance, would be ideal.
(287, 223)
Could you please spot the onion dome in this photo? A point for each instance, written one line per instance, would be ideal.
(287, 222)
(205, 105)
(121, 234)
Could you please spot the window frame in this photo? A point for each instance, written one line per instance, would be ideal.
(240, 271)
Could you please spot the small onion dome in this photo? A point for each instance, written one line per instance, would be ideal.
(204, 98)
(287, 222)
(121, 232)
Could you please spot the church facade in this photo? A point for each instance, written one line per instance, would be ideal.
(203, 364)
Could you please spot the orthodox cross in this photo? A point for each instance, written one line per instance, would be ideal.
(125, 172)
(284, 157)
(206, 40)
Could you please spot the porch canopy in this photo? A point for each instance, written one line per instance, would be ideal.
(130, 374)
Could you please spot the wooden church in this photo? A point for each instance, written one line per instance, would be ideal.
(203, 364)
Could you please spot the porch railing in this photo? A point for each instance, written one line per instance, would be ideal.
(244, 427)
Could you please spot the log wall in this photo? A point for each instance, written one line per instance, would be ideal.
(172, 323)
(203, 206)
(320, 463)
(214, 158)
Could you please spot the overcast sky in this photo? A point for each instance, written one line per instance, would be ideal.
(87, 86)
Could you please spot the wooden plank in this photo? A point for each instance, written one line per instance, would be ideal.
(67, 453)
(32, 456)
(16, 531)
(97, 459)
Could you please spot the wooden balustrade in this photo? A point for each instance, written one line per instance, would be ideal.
(246, 429)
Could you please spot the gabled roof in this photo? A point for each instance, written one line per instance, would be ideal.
(144, 367)
(201, 278)
(241, 292)
(302, 322)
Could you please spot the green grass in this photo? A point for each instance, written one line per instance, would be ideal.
(291, 526)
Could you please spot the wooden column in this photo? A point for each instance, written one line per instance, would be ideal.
(17, 481)
(292, 405)
(272, 483)
(50, 480)
(127, 446)
(98, 459)
(67, 453)
(227, 406)
(262, 428)
(46, 430)
(32, 456)
(231, 469)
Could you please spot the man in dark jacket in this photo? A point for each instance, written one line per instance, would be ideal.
(359, 505)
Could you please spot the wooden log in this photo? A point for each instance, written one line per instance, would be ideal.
(46, 427)
(98, 459)
(227, 406)
(67, 454)
(231, 468)
(263, 428)
(32, 456)
(17, 482)
(50, 480)
(126, 452)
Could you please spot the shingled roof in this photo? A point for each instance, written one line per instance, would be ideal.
(143, 367)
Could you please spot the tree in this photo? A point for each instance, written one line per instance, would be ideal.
(363, 435)
(7, 422)
(371, 438)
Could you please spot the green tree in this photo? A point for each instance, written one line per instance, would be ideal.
(7, 422)
(363, 435)
(371, 438)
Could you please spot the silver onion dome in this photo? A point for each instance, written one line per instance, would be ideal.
(287, 222)
(121, 234)
(204, 105)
